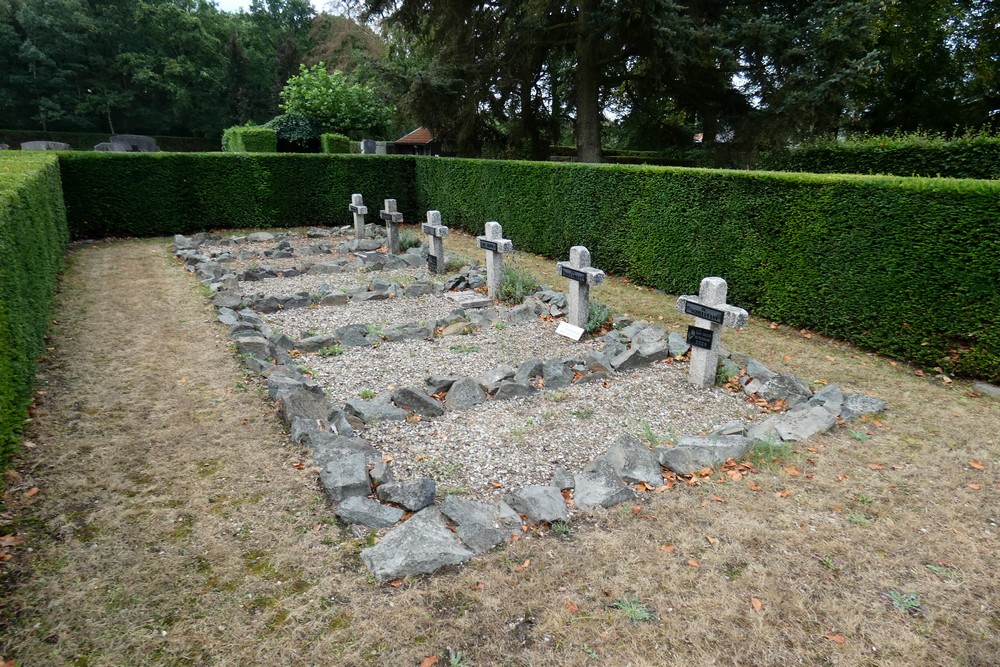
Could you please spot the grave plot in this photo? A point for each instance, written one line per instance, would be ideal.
(490, 449)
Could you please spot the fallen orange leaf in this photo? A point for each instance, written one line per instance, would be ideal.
(572, 607)
(755, 603)
(693, 563)
(11, 540)
(712, 540)
(479, 586)
(836, 639)
(518, 568)
(876, 466)
(791, 470)
(396, 583)
(636, 509)
(30, 492)
(430, 661)
(974, 486)
(717, 499)
(753, 486)
(669, 548)
(784, 493)
(978, 465)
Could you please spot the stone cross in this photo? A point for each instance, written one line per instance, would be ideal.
(495, 246)
(711, 313)
(436, 233)
(392, 219)
(581, 276)
(359, 210)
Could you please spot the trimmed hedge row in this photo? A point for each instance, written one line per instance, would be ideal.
(968, 157)
(33, 236)
(331, 142)
(908, 267)
(246, 139)
(153, 194)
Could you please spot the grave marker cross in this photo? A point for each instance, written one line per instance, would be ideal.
(581, 276)
(359, 210)
(495, 246)
(711, 313)
(392, 219)
(436, 233)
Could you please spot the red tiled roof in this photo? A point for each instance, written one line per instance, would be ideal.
(418, 137)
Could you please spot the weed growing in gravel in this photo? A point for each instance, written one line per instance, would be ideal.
(859, 519)
(499, 325)
(464, 348)
(829, 562)
(633, 608)
(859, 436)
(652, 438)
(331, 351)
(944, 571)
(407, 240)
(366, 394)
(584, 413)
(561, 528)
(556, 396)
(516, 284)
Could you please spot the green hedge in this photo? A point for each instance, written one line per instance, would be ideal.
(909, 155)
(908, 267)
(152, 194)
(33, 236)
(332, 142)
(249, 139)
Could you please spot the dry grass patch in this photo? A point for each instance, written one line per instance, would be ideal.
(172, 526)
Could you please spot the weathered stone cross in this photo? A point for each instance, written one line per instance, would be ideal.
(436, 233)
(495, 246)
(359, 210)
(581, 276)
(392, 219)
(711, 313)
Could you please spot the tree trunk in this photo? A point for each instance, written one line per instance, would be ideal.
(588, 88)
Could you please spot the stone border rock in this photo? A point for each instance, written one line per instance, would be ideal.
(352, 471)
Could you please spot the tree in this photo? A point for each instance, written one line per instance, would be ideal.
(333, 103)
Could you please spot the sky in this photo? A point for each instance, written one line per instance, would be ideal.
(236, 5)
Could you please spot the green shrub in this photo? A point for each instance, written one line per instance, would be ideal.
(33, 236)
(407, 240)
(904, 266)
(975, 156)
(516, 284)
(597, 315)
(332, 142)
(249, 139)
(293, 127)
(153, 194)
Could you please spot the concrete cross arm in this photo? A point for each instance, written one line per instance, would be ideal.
(391, 216)
(361, 210)
(503, 245)
(434, 230)
(593, 276)
(732, 316)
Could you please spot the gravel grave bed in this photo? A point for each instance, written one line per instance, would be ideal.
(282, 286)
(298, 322)
(499, 446)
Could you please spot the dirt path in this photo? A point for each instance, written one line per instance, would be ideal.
(173, 526)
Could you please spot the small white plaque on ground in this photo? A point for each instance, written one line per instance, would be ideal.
(570, 331)
(470, 299)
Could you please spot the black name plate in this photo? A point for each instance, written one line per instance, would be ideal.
(573, 274)
(430, 229)
(489, 245)
(704, 312)
(698, 337)
(432, 263)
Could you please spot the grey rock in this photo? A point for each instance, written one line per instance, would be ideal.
(539, 503)
(830, 397)
(340, 423)
(562, 479)
(233, 300)
(324, 268)
(765, 431)
(511, 389)
(438, 383)
(600, 486)
(253, 345)
(328, 447)
(654, 350)
(803, 424)
(464, 394)
(632, 330)
(334, 299)
(987, 389)
(370, 296)
(650, 334)
(409, 332)
(529, 369)
(728, 369)
(381, 473)
(856, 405)
(692, 453)
(627, 359)
(277, 383)
(417, 402)
(353, 335)
(757, 370)
(281, 341)
(267, 305)
(417, 289)
(633, 462)
(678, 344)
(260, 237)
(492, 379)
(228, 316)
(302, 428)
(372, 412)
(298, 401)
(315, 343)
(421, 545)
(556, 375)
(731, 428)
(346, 476)
(413, 494)
(481, 526)
(522, 313)
(787, 387)
(367, 512)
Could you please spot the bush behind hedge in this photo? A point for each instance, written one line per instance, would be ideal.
(33, 236)
(907, 267)
(154, 194)
(907, 155)
(249, 139)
